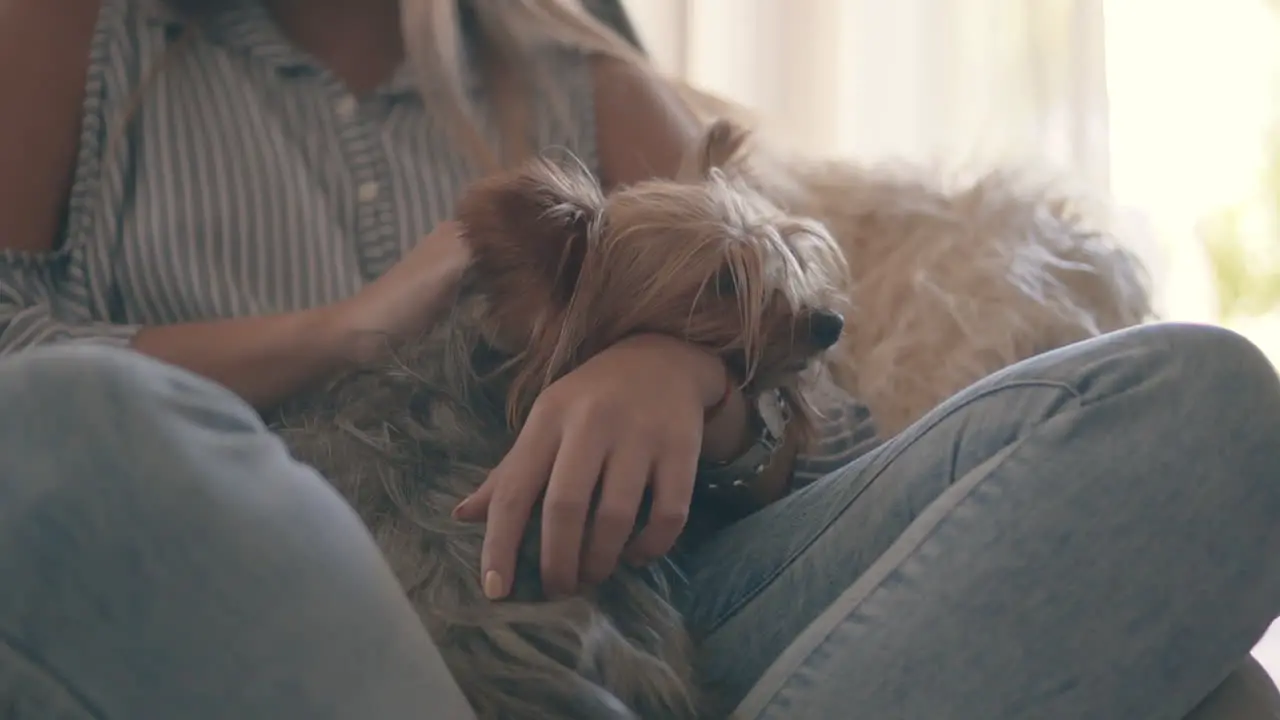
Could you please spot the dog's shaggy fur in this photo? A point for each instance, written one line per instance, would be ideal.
(951, 282)
(561, 272)
(946, 287)
(404, 445)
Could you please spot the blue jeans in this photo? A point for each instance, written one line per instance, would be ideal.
(1091, 534)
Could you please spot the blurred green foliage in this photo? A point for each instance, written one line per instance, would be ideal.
(1243, 241)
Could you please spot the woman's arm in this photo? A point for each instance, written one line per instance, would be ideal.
(264, 359)
(643, 129)
(269, 358)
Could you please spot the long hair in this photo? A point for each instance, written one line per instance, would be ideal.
(507, 36)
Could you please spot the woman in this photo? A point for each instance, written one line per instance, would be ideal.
(238, 189)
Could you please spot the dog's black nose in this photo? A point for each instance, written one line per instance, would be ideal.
(825, 328)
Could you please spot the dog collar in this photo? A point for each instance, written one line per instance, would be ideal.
(734, 479)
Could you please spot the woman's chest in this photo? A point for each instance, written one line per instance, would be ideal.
(239, 201)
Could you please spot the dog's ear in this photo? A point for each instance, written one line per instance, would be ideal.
(718, 146)
(530, 230)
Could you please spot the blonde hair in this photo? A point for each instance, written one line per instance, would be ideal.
(511, 33)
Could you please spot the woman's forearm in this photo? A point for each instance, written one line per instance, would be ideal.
(268, 359)
(728, 430)
(265, 360)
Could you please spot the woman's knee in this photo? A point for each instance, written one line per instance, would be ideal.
(95, 430)
(1209, 358)
(83, 393)
(1206, 390)
(1196, 450)
(105, 448)
(142, 507)
(1194, 372)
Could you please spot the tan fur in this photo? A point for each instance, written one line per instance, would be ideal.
(939, 286)
(562, 272)
(951, 282)
(704, 258)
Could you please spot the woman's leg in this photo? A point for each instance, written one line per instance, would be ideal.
(1091, 534)
(161, 556)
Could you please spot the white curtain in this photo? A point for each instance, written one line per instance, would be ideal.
(952, 81)
(955, 83)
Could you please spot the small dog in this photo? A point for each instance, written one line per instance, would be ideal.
(950, 284)
(562, 271)
(936, 287)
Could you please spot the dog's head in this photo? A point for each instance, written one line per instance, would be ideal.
(568, 270)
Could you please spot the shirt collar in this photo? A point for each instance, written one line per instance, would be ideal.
(246, 27)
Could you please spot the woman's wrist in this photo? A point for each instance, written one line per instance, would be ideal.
(728, 430)
(704, 371)
(341, 339)
(402, 304)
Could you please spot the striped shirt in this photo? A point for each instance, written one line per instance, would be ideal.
(249, 181)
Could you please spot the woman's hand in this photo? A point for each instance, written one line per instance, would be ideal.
(627, 420)
(405, 300)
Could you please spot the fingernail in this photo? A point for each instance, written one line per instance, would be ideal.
(460, 508)
(492, 585)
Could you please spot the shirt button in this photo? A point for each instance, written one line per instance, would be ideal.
(368, 192)
(345, 108)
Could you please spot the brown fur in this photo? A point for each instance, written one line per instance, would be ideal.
(561, 272)
(940, 286)
(950, 282)
(704, 258)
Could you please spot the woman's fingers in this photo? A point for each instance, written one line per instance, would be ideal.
(574, 476)
(475, 507)
(626, 476)
(673, 476)
(517, 482)
(628, 414)
(513, 500)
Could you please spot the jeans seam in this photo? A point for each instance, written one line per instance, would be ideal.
(18, 650)
(896, 452)
(996, 461)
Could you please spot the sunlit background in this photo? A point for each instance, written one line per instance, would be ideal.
(1172, 105)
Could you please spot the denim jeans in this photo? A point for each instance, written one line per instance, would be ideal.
(1090, 534)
